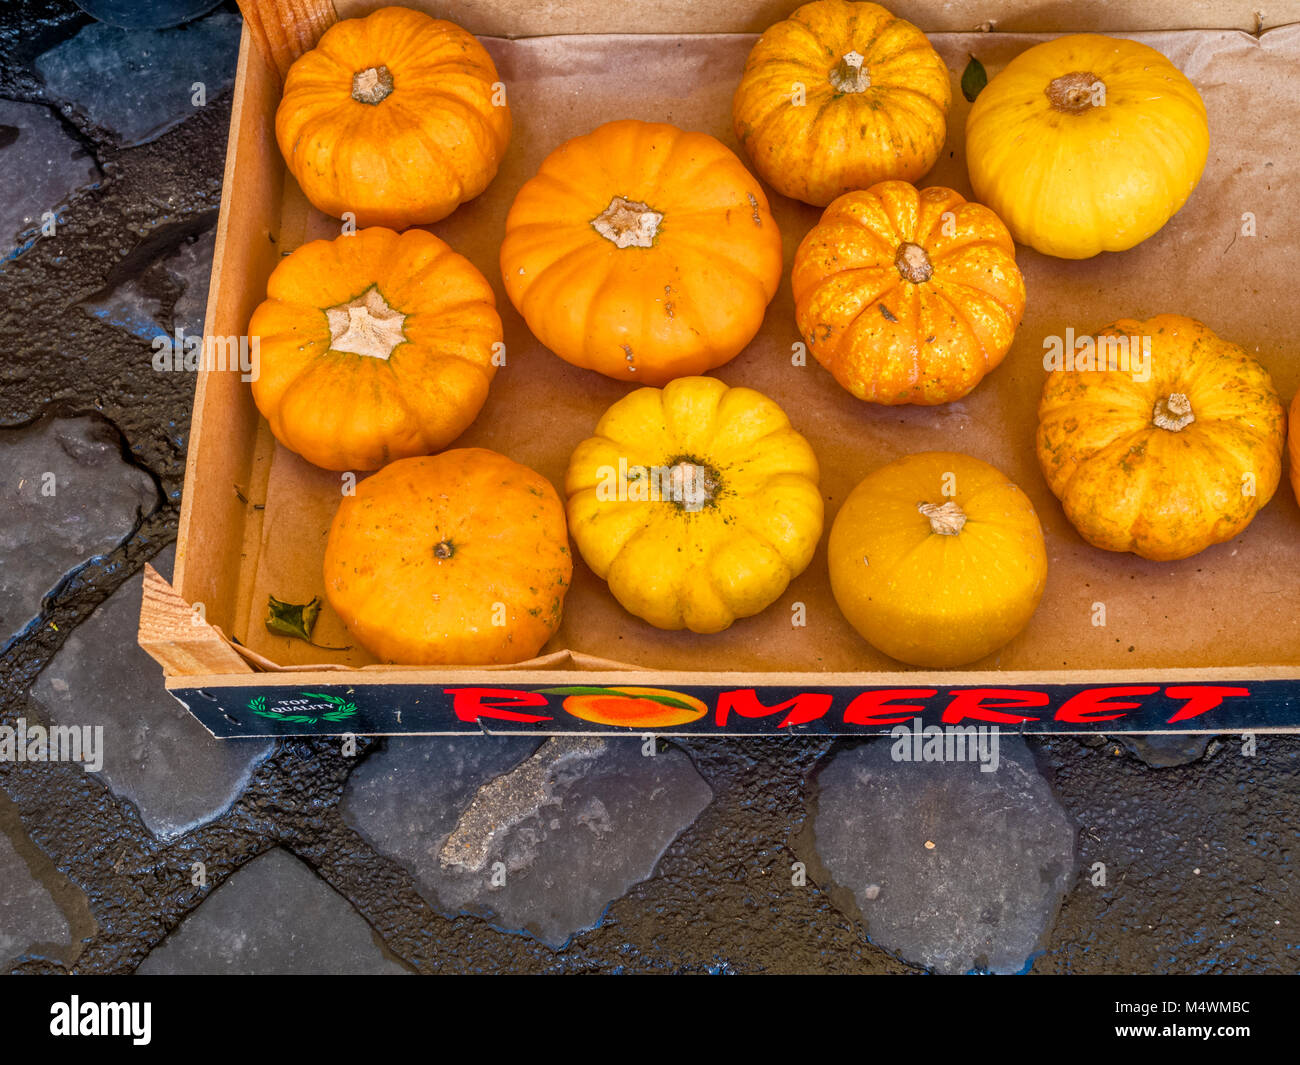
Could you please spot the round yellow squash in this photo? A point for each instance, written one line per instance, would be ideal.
(1165, 459)
(1086, 144)
(840, 96)
(697, 503)
(937, 559)
(454, 559)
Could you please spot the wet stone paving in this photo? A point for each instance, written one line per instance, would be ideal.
(170, 852)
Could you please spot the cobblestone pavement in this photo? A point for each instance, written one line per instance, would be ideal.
(172, 853)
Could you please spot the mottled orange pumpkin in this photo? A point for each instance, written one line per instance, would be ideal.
(397, 117)
(453, 559)
(841, 96)
(1162, 456)
(908, 296)
(643, 252)
(372, 347)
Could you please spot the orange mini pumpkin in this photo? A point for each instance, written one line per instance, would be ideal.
(643, 252)
(841, 96)
(1162, 456)
(396, 117)
(908, 296)
(373, 347)
(1293, 446)
(453, 559)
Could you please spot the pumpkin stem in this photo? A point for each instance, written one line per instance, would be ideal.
(692, 484)
(1076, 92)
(367, 325)
(913, 263)
(1173, 412)
(372, 85)
(946, 519)
(848, 76)
(628, 223)
(444, 549)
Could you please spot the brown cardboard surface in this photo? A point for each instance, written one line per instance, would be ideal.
(1233, 605)
(531, 18)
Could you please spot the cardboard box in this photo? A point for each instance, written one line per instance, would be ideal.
(1208, 644)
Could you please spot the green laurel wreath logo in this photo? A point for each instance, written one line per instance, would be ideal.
(341, 712)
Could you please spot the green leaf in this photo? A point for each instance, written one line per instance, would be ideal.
(292, 619)
(973, 79)
(666, 700)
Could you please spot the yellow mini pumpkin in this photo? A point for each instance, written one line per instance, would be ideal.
(908, 296)
(453, 559)
(1162, 456)
(643, 252)
(841, 96)
(698, 503)
(373, 346)
(937, 559)
(1086, 144)
(396, 117)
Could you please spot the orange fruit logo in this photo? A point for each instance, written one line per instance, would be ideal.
(630, 707)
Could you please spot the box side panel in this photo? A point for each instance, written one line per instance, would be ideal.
(526, 18)
(224, 429)
(716, 705)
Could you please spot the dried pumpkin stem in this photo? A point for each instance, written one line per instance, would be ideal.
(367, 325)
(1173, 412)
(848, 76)
(946, 519)
(628, 223)
(913, 263)
(372, 85)
(1076, 92)
(692, 484)
(444, 549)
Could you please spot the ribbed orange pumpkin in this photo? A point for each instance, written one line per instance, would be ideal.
(643, 252)
(908, 296)
(396, 117)
(373, 347)
(453, 559)
(841, 96)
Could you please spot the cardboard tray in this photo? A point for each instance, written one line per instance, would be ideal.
(1208, 644)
